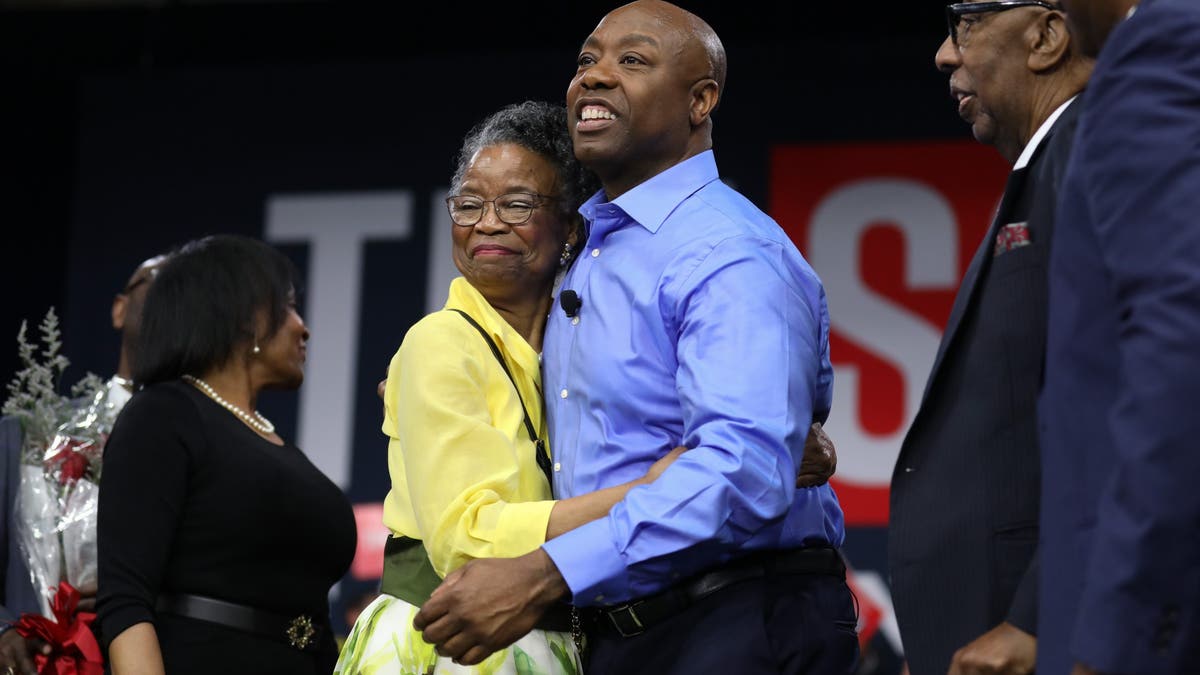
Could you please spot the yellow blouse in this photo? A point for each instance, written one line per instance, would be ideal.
(465, 479)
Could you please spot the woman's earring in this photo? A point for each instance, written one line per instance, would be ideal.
(566, 255)
(256, 351)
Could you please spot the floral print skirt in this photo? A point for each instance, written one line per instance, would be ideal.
(383, 642)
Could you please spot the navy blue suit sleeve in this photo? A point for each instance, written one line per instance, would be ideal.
(10, 449)
(1142, 176)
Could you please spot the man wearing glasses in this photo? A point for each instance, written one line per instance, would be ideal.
(1120, 586)
(963, 536)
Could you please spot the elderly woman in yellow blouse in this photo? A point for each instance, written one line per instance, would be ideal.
(467, 448)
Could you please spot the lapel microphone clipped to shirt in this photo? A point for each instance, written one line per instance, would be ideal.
(570, 302)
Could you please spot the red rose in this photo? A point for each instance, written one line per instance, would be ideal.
(74, 466)
(71, 457)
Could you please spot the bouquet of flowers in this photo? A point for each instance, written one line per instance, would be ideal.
(63, 438)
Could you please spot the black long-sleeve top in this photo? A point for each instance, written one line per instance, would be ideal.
(193, 501)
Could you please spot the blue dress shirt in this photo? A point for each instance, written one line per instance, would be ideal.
(701, 325)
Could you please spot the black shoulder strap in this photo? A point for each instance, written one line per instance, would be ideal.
(539, 446)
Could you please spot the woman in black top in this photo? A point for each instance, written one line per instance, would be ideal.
(218, 540)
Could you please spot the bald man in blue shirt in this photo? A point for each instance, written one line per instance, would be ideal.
(698, 320)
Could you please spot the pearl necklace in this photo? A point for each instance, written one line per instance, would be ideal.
(257, 422)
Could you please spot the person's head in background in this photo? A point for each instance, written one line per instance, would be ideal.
(1092, 21)
(127, 310)
(226, 304)
(514, 200)
(647, 81)
(1010, 68)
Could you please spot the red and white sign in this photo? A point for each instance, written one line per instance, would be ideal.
(372, 537)
(890, 228)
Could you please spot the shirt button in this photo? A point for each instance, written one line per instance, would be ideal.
(595, 253)
(575, 321)
(562, 394)
(600, 598)
(557, 466)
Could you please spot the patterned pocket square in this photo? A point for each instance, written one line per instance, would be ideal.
(1013, 235)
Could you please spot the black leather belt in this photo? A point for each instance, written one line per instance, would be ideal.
(635, 617)
(300, 632)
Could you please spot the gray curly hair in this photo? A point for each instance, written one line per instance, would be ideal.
(542, 128)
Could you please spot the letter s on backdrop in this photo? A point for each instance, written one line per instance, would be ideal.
(890, 229)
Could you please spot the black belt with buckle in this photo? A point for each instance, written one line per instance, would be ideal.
(300, 632)
(635, 617)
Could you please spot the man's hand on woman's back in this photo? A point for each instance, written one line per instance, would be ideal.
(817, 466)
(820, 459)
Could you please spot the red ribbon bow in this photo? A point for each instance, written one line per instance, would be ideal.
(73, 647)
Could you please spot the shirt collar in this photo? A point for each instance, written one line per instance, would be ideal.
(466, 297)
(117, 395)
(650, 203)
(1040, 135)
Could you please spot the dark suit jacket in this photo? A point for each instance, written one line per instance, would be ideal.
(964, 497)
(1120, 409)
(17, 591)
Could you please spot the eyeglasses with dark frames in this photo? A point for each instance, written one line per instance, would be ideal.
(513, 208)
(959, 19)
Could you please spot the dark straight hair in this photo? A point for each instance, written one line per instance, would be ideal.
(205, 303)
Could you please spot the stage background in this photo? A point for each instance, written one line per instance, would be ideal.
(329, 129)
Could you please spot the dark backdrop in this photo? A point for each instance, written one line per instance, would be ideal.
(799, 71)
